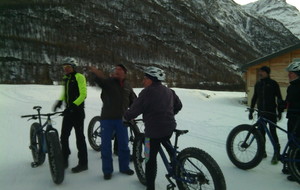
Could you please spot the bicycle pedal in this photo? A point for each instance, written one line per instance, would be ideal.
(171, 187)
(34, 164)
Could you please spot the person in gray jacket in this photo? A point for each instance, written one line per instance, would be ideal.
(116, 96)
(158, 104)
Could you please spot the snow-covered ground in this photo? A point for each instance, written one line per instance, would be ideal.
(209, 116)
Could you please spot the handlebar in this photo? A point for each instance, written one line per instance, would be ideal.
(35, 116)
(23, 116)
(259, 111)
(132, 122)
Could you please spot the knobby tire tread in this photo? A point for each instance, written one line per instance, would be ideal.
(55, 157)
(36, 143)
(210, 164)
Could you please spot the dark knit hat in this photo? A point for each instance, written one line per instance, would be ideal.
(266, 69)
(123, 67)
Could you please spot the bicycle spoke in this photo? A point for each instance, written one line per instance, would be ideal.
(197, 175)
(244, 151)
(245, 146)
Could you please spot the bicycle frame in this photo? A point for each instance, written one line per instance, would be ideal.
(170, 166)
(47, 139)
(261, 124)
(48, 125)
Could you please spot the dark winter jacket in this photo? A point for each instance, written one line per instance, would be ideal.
(265, 93)
(158, 104)
(74, 90)
(293, 99)
(116, 97)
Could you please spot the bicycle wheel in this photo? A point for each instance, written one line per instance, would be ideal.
(245, 147)
(139, 158)
(198, 170)
(294, 166)
(94, 133)
(36, 145)
(55, 157)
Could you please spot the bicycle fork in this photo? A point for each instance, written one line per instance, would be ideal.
(244, 144)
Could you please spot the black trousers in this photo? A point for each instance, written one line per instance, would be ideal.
(294, 126)
(151, 164)
(273, 130)
(76, 120)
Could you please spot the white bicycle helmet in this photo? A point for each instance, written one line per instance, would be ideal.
(155, 72)
(294, 66)
(70, 61)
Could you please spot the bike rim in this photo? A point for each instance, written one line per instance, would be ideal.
(195, 175)
(244, 151)
(96, 135)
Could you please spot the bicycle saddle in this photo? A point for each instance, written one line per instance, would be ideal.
(180, 132)
(37, 107)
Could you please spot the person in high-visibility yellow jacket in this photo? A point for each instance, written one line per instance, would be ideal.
(74, 94)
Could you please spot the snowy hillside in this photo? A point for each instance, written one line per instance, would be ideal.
(209, 116)
(201, 42)
(279, 10)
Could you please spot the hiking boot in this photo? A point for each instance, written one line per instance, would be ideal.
(79, 168)
(107, 176)
(128, 172)
(291, 178)
(274, 160)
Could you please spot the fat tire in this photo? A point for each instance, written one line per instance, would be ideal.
(294, 167)
(216, 175)
(55, 157)
(134, 131)
(259, 149)
(139, 158)
(36, 144)
(91, 134)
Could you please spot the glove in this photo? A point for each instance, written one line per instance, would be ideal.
(279, 116)
(57, 105)
(281, 105)
(250, 114)
(70, 109)
(128, 123)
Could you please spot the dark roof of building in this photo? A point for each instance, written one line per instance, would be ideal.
(270, 56)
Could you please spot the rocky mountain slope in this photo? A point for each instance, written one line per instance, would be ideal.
(279, 10)
(200, 43)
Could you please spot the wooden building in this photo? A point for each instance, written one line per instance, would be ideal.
(277, 62)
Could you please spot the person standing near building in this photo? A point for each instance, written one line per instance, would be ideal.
(158, 104)
(116, 96)
(292, 103)
(74, 94)
(266, 91)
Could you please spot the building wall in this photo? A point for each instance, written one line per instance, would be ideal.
(278, 72)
